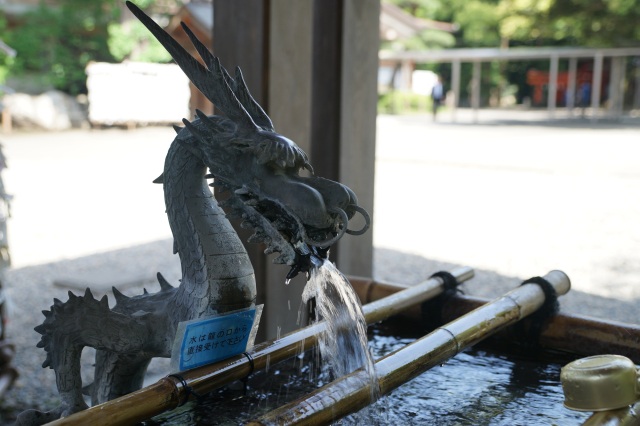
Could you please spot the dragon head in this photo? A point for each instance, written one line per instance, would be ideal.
(298, 216)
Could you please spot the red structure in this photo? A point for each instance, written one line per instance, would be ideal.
(539, 80)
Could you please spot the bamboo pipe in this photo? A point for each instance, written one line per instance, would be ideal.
(352, 392)
(578, 334)
(170, 392)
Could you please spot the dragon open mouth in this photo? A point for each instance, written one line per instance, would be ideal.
(300, 232)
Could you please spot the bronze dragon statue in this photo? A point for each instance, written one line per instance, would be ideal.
(297, 216)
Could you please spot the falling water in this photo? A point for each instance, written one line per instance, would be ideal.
(343, 345)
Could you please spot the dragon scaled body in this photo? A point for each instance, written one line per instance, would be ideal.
(298, 217)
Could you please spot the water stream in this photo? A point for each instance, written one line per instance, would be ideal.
(344, 345)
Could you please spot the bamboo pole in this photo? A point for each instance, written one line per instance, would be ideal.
(578, 334)
(352, 392)
(170, 392)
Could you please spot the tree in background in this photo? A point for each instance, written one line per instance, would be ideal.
(55, 43)
(589, 23)
(132, 41)
(6, 61)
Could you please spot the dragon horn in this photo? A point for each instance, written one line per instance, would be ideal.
(238, 86)
(257, 113)
(211, 82)
(229, 94)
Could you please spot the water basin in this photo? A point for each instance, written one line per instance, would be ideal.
(480, 386)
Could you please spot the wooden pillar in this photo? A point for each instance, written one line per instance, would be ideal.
(345, 67)
(553, 85)
(406, 71)
(359, 98)
(7, 124)
(571, 84)
(313, 67)
(326, 87)
(455, 87)
(596, 83)
(289, 106)
(475, 89)
(616, 86)
(240, 38)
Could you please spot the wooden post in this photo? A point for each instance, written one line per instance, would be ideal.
(7, 124)
(553, 86)
(571, 84)
(475, 89)
(616, 86)
(596, 84)
(289, 106)
(455, 87)
(313, 67)
(359, 97)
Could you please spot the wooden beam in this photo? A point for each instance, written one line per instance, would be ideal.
(475, 89)
(359, 96)
(241, 38)
(553, 85)
(326, 85)
(596, 84)
(455, 87)
(571, 84)
(289, 106)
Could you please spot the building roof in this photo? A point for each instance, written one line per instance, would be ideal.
(199, 17)
(395, 23)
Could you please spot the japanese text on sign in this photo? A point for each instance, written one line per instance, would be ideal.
(205, 341)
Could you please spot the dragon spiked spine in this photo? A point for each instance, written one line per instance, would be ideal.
(298, 217)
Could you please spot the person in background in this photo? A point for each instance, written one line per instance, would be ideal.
(437, 96)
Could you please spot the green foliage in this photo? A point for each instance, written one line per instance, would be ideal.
(596, 23)
(5, 61)
(399, 102)
(133, 41)
(589, 23)
(425, 9)
(58, 42)
(55, 43)
(479, 21)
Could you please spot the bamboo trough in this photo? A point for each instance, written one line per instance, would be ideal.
(174, 390)
(577, 334)
(352, 392)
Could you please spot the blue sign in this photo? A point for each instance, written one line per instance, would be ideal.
(205, 341)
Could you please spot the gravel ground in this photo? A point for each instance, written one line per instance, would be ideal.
(441, 189)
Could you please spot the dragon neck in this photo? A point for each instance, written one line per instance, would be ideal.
(217, 275)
